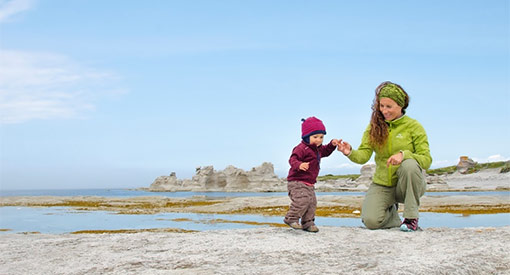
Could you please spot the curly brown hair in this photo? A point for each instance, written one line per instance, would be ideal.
(378, 125)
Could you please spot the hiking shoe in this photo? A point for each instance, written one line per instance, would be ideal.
(294, 225)
(409, 225)
(312, 229)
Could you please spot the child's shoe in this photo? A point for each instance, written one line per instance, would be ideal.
(294, 225)
(312, 229)
(409, 225)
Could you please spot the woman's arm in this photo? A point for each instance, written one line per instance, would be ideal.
(364, 151)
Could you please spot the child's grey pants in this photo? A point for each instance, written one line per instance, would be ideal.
(303, 204)
(378, 210)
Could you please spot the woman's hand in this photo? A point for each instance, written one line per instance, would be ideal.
(395, 159)
(344, 147)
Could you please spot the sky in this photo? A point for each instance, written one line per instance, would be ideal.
(112, 94)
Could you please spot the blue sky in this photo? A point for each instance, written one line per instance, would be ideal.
(112, 94)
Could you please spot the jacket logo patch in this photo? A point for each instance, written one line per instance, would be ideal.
(399, 136)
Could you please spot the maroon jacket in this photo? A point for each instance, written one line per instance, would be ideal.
(304, 152)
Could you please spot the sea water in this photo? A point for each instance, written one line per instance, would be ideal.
(57, 220)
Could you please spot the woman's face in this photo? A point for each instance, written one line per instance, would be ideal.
(389, 108)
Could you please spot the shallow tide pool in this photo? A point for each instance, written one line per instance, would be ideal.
(56, 220)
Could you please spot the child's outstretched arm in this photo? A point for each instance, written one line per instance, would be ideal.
(328, 149)
(334, 142)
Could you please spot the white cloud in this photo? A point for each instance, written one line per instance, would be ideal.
(496, 158)
(443, 163)
(47, 86)
(12, 7)
(493, 158)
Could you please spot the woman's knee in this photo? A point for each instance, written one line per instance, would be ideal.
(372, 221)
(409, 166)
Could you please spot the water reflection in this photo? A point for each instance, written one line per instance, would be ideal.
(64, 220)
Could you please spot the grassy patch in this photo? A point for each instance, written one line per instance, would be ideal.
(505, 168)
(489, 165)
(443, 170)
(335, 177)
(504, 165)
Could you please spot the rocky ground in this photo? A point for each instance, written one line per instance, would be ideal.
(269, 250)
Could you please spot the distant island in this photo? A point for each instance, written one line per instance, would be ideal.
(467, 175)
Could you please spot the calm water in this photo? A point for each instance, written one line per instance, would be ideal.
(138, 193)
(57, 220)
(64, 220)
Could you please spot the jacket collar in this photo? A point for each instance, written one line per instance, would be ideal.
(396, 121)
(313, 147)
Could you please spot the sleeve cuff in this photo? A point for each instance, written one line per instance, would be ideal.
(348, 155)
(406, 154)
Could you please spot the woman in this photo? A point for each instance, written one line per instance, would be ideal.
(401, 154)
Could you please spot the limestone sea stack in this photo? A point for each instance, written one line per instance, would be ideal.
(259, 179)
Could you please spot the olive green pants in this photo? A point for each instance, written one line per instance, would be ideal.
(379, 211)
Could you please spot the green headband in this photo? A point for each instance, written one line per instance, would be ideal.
(392, 91)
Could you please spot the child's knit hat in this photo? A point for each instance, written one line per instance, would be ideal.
(311, 126)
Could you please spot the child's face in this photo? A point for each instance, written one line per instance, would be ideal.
(317, 139)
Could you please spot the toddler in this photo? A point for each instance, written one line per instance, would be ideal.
(304, 169)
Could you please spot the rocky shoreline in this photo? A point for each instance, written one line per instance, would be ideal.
(263, 179)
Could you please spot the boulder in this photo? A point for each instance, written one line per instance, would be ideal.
(465, 164)
(367, 173)
(166, 183)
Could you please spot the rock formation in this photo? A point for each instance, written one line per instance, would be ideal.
(231, 179)
(367, 173)
(465, 163)
(263, 179)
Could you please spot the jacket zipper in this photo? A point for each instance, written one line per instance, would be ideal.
(390, 150)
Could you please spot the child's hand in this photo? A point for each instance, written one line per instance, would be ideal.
(334, 142)
(304, 166)
(344, 147)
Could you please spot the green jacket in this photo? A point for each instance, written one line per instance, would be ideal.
(406, 135)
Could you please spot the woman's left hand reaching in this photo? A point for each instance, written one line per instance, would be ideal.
(395, 159)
